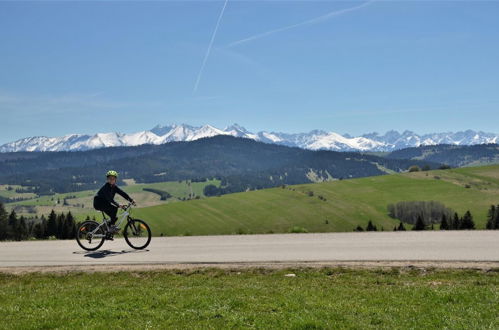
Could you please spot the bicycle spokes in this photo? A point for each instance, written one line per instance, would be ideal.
(137, 234)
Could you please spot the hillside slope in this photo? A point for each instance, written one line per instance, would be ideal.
(455, 156)
(347, 203)
(241, 164)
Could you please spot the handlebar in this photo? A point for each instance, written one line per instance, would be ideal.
(126, 207)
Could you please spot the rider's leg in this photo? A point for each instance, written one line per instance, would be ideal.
(106, 207)
(111, 211)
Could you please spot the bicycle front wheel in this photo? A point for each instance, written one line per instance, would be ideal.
(90, 236)
(137, 234)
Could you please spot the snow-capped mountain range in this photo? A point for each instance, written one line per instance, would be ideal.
(314, 140)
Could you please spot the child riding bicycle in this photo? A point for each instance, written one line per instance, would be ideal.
(104, 200)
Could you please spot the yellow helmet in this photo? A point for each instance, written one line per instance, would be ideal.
(112, 173)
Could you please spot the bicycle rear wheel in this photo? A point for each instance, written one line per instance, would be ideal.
(89, 237)
(137, 234)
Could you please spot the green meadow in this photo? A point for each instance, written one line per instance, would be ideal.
(328, 206)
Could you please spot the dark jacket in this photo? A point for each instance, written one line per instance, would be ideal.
(107, 193)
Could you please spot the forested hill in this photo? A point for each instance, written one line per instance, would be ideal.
(240, 163)
(455, 156)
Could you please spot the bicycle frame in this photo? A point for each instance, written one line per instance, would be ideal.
(122, 217)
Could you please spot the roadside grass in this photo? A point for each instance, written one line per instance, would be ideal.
(253, 298)
(329, 206)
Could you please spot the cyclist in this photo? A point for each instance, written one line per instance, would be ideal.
(104, 200)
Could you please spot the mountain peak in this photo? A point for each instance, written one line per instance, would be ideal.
(315, 139)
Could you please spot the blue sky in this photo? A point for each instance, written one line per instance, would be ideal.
(292, 66)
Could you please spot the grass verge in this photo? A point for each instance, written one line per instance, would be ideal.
(261, 298)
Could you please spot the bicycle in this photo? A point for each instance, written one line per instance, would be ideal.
(91, 234)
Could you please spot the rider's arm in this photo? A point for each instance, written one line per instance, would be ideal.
(123, 194)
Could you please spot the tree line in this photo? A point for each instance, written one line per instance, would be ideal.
(454, 222)
(410, 211)
(18, 228)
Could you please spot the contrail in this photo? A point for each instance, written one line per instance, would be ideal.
(210, 45)
(307, 22)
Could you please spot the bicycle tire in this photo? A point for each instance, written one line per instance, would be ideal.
(131, 228)
(82, 229)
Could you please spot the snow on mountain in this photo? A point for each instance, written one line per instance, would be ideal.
(314, 140)
(335, 141)
(239, 131)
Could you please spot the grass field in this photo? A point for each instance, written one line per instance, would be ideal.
(255, 298)
(345, 204)
(82, 205)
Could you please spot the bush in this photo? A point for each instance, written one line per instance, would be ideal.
(358, 228)
(297, 230)
(212, 190)
(414, 168)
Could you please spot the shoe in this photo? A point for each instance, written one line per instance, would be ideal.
(114, 229)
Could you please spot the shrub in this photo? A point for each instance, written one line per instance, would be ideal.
(414, 168)
(212, 190)
(297, 230)
(358, 228)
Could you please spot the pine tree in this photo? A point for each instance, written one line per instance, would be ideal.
(467, 222)
(371, 227)
(491, 221)
(22, 229)
(69, 226)
(38, 231)
(444, 225)
(401, 226)
(13, 224)
(43, 225)
(51, 224)
(4, 223)
(456, 223)
(61, 219)
(420, 225)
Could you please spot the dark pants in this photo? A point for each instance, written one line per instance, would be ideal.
(103, 205)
